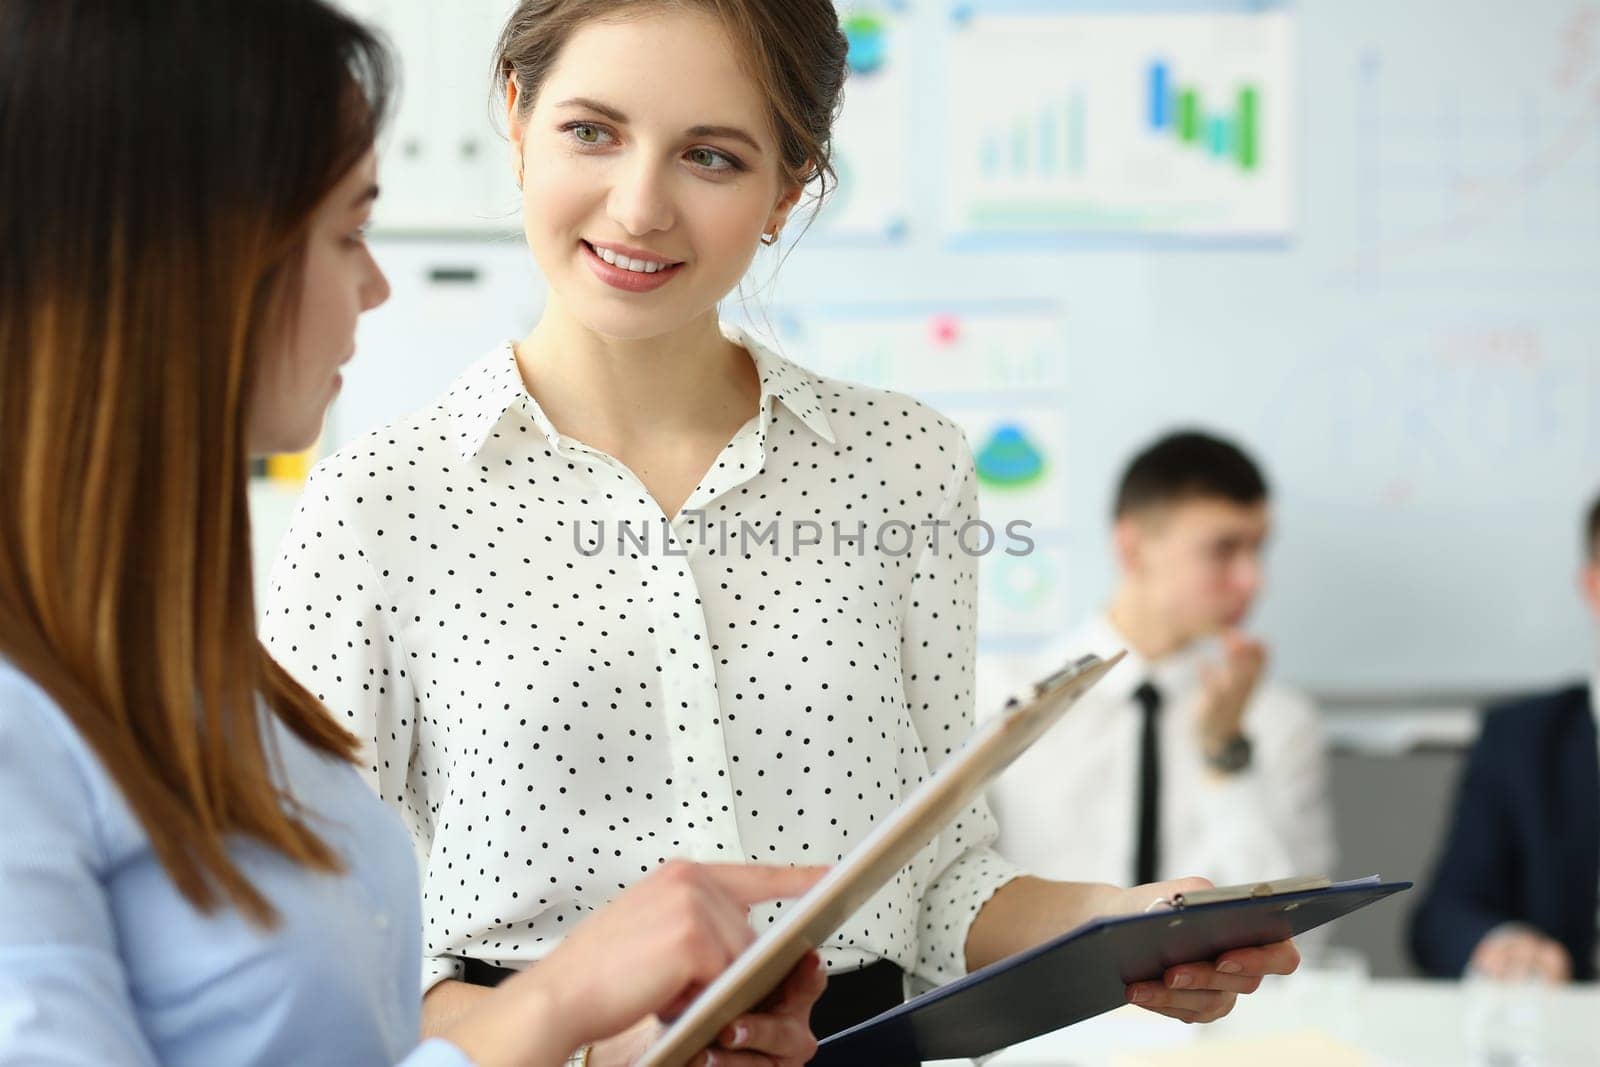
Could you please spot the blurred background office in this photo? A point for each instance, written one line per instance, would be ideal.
(1360, 237)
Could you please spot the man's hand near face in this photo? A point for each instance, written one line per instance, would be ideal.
(1227, 687)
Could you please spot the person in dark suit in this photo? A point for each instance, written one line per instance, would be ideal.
(1516, 892)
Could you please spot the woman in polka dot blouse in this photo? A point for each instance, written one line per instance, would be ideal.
(637, 587)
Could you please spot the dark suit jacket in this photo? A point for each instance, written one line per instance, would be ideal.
(1525, 844)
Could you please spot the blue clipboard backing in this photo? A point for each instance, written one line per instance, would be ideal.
(1081, 974)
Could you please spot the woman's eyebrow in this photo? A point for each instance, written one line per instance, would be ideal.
(594, 105)
(731, 132)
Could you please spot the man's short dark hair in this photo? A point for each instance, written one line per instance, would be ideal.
(1186, 466)
(1591, 529)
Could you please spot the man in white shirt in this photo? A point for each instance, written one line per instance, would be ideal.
(1184, 758)
(1515, 892)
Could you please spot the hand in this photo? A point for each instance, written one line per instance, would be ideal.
(1203, 992)
(1226, 688)
(657, 945)
(1517, 953)
(650, 951)
(778, 1035)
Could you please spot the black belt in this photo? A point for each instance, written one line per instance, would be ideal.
(852, 997)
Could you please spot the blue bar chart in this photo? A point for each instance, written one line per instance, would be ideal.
(1053, 140)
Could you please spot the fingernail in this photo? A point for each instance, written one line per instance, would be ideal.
(1138, 995)
(1229, 967)
(1182, 981)
(740, 1032)
(711, 1058)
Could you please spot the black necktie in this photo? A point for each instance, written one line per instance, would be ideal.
(1149, 799)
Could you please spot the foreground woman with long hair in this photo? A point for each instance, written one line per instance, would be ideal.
(191, 871)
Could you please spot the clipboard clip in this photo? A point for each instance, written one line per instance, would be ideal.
(1249, 891)
(1039, 689)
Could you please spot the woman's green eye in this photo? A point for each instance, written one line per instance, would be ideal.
(586, 134)
(711, 159)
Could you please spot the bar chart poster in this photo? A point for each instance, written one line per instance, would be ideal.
(1146, 123)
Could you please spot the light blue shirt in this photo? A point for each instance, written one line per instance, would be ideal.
(103, 961)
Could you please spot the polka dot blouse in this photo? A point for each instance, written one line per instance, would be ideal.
(559, 689)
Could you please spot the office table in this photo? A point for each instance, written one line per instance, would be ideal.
(1333, 1021)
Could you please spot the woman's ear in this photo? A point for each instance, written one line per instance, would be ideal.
(792, 191)
(516, 127)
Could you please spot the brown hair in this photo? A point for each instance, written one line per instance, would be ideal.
(157, 176)
(1185, 465)
(793, 49)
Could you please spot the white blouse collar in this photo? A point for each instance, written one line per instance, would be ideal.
(481, 397)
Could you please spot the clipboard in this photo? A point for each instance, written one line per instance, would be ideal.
(1085, 972)
(896, 840)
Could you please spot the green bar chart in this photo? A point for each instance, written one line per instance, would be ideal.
(1230, 134)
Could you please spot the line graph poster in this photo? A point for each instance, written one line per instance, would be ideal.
(1143, 123)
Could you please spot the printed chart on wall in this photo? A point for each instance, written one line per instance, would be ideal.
(998, 371)
(1070, 122)
(872, 139)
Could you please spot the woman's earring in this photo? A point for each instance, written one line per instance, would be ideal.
(770, 239)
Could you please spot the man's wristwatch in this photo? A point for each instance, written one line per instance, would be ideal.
(1231, 756)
